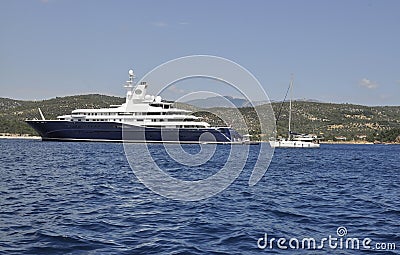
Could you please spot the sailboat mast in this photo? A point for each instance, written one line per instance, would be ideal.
(290, 108)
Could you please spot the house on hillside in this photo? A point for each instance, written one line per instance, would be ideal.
(340, 138)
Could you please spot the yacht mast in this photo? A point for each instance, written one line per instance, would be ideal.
(290, 107)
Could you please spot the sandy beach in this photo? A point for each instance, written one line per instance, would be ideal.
(19, 137)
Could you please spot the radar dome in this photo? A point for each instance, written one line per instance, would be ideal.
(131, 72)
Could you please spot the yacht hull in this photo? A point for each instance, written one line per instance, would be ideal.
(293, 144)
(55, 130)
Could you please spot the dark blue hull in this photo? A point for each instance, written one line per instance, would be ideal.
(115, 132)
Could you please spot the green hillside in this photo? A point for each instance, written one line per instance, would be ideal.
(323, 119)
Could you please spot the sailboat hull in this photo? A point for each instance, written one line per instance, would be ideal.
(293, 144)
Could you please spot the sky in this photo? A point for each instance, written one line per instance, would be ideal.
(343, 51)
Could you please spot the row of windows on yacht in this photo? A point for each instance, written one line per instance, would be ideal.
(154, 120)
(179, 126)
(131, 119)
(129, 113)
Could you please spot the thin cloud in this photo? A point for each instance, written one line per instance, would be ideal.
(174, 89)
(366, 83)
(385, 97)
(163, 24)
(160, 24)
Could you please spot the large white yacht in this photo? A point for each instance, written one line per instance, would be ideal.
(142, 118)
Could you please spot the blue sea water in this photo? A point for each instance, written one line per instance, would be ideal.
(83, 198)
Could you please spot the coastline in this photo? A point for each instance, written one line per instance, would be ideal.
(24, 136)
(345, 142)
(358, 142)
(29, 137)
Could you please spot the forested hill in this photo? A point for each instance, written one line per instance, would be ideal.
(323, 119)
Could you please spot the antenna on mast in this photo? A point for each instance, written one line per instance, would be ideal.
(129, 83)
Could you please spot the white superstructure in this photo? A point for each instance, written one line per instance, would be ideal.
(139, 110)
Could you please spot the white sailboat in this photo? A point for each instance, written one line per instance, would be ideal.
(294, 140)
